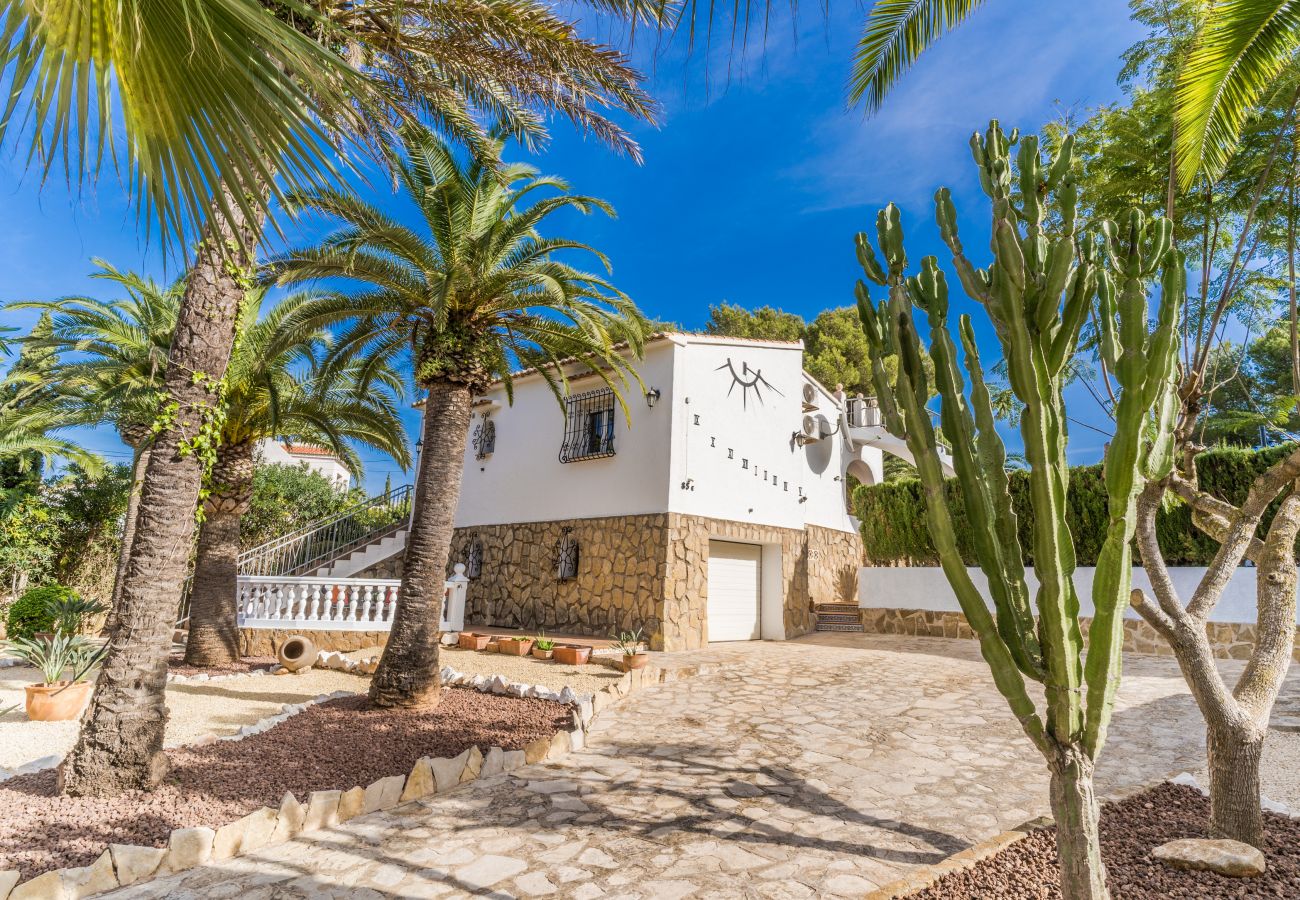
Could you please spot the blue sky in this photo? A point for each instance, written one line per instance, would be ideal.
(753, 185)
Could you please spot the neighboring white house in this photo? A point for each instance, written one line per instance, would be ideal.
(713, 508)
(318, 459)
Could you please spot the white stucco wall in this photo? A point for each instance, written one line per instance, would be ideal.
(273, 452)
(674, 457)
(524, 480)
(925, 587)
(734, 456)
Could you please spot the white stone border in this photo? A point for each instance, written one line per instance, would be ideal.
(202, 677)
(124, 864)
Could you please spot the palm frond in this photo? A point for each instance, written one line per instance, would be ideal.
(896, 33)
(1243, 46)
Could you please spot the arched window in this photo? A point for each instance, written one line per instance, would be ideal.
(474, 558)
(566, 553)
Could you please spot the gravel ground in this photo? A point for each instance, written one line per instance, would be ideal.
(176, 665)
(197, 708)
(583, 679)
(1130, 830)
(334, 745)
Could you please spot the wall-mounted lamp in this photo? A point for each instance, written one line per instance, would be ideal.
(652, 397)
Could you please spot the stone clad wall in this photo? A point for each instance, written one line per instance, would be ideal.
(1229, 640)
(619, 585)
(818, 565)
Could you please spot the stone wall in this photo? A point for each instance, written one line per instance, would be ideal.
(267, 641)
(648, 572)
(619, 585)
(819, 565)
(1230, 640)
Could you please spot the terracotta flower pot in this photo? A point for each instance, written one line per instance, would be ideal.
(57, 702)
(635, 661)
(539, 653)
(468, 640)
(571, 654)
(515, 648)
(492, 647)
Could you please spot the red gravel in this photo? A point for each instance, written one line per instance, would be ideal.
(331, 746)
(176, 665)
(1130, 830)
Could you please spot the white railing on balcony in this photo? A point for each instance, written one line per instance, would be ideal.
(295, 602)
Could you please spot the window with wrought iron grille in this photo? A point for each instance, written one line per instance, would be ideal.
(485, 438)
(588, 426)
(474, 558)
(566, 558)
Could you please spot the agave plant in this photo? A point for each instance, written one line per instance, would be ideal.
(64, 654)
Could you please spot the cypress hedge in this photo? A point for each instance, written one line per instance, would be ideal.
(894, 525)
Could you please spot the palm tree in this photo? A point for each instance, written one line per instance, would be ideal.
(118, 354)
(474, 292)
(439, 61)
(30, 431)
(283, 383)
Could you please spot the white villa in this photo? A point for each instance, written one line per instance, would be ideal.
(317, 459)
(713, 509)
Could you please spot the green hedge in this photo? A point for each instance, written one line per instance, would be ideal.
(32, 611)
(894, 524)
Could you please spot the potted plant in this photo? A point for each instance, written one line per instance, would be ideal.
(64, 662)
(630, 644)
(543, 647)
(572, 654)
(515, 646)
(468, 640)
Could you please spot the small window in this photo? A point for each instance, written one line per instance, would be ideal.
(485, 438)
(588, 426)
(474, 558)
(566, 552)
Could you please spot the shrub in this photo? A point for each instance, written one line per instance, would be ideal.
(36, 610)
(894, 528)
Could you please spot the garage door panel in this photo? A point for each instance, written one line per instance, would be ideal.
(733, 607)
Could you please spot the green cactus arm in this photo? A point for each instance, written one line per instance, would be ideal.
(1015, 614)
(1144, 366)
(997, 547)
(1079, 294)
(918, 431)
(1108, 340)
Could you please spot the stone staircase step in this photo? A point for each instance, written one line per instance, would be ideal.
(845, 617)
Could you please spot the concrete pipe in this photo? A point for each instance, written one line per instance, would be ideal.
(297, 653)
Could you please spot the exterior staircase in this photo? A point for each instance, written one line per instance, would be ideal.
(336, 546)
(838, 617)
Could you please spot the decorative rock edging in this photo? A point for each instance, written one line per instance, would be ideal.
(1187, 779)
(121, 864)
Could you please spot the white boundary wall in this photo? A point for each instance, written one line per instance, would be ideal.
(925, 587)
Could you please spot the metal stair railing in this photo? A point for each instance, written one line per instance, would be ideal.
(321, 541)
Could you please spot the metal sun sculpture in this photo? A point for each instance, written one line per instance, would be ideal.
(748, 379)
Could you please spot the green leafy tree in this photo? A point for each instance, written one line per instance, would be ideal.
(286, 381)
(472, 292)
(92, 507)
(764, 323)
(287, 497)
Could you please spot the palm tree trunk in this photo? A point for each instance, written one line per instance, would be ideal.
(408, 671)
(120, 745)
(214, 634)
(139, 463)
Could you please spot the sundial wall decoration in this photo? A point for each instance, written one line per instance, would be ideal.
(748, 379)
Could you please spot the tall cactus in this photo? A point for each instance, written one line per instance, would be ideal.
(1037, 292)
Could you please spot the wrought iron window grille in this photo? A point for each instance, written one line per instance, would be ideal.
(474, 558)
(566, 557)
(485, 438)
(588, 426)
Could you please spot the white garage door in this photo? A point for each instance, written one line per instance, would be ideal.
(733, 591)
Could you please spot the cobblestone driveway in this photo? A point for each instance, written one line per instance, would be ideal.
(818, 767)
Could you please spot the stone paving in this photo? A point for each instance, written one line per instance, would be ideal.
(824, 766)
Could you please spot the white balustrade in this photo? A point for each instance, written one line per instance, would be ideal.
(289, 602)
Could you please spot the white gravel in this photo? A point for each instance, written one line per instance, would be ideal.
(196, 708)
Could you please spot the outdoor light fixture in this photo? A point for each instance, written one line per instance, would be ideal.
(652, 397)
